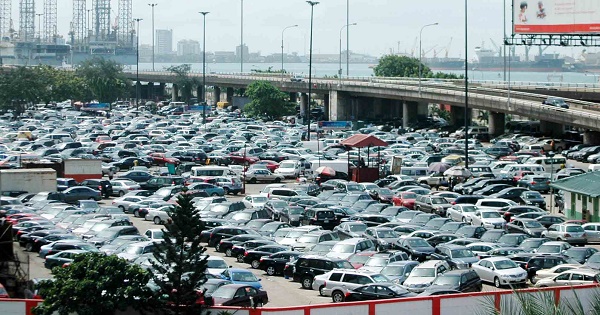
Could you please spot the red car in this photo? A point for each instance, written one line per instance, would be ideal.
(359, 259)
(405, 199)
(241, 160)
(162, 159)
(271, 165)
(520, 175)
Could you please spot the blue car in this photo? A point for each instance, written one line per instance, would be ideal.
(210, 189)
(136, 176)
(241, 276)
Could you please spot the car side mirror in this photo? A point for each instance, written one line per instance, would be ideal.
(259, 279)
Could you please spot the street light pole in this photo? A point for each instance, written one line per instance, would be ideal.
(153, 48)
(347, 38)
(137, 67)
(39, 15)
(242, 39)
(340, 70)
(282, 69)
(312, 8)
(466, 86)
(421, 53)
(203, 97)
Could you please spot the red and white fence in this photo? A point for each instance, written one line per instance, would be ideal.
(457, 304)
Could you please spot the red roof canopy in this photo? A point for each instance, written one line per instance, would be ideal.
(363, 141)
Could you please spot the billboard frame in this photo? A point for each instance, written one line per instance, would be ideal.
(556, 40)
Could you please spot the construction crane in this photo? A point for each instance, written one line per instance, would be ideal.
(428, 51)
(448, 48)
(414, 47)
(498, 48)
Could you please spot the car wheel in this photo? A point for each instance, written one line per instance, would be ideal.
(218, 247)
(240, 258)
(497, 282)
(157, 220)
(252, 180)
(255, 264)
(464, 220)
(338, 296)
(271, 271)
(29, 247)
(259, 304)
(122, 208)
(558, 239)
(121, 193)
(277, 180)
(417, 208)
(226, 190)
(533, 280)
(235, 193)
(228, 252)
(321, 290)
(93, 198)
(214, 194)
(136, 213)
(307, 283)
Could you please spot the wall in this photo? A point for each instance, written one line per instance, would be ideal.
(576, 204)
(457, 304)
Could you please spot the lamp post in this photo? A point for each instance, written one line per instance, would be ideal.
(466, 86)
(285, 28)
(242, 38)
(340, 70)
(245, 165)
(153, 48)
(421, 52)
(39, 15)
(347, 38)
(137, 67)
(312, 8)
(551, 155)
(203, 98)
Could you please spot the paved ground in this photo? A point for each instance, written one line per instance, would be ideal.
(282, 292)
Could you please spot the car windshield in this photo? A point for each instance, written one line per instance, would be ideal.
(216, 264)
(407, 215)
(438, 201)
(343, 264)
(451, 280)
(533, 195)
(423, 272)
(343, 248)
(308, 239)
(380, 279)
(376, 262)
(135, 250)
(296, 210)
(393, 271)
(321, 248)
(359, 259)
(594, 259)
(533, 224)
(531, 243)
(505, 264)
(224, 292)
(242, 216)
(107, 233)
(409, 196)
(490, 215)
(418, 243)
(386, 234)
(243, 276)
(279, 204)
(259, 199)
(461, 253)
(354, 187)
(469, 208)
(100, 226)
(549, 249)
(358, 228)
(295, 234)
(278, 233)
(574, 229)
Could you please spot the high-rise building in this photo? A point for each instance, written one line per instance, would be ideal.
(239, 51)
(164, 42)
(188, 47)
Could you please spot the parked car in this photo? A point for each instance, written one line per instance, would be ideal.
(500, 271)
(460, 280)
(376, 291)
(571, 277)
(239, 295)
(571, 233)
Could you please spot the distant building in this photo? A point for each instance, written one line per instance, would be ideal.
(242, 49)
(164, 42)
(145, 52)
(188, 47)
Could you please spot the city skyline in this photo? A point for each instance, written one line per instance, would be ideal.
(383, 27)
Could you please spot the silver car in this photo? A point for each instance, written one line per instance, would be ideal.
(570, 278)
(573, 234)
(500, 271)
(462, 212)
(489, 219)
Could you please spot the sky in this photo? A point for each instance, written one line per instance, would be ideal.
(382, 25)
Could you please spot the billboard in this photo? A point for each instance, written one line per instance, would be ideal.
(335, 125)
(556, 16)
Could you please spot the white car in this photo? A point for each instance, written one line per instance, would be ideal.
(215, 265)
(159, 215)
(423, 275)
(500, 271)
(489, 219)
(122, 187)
(125, 201)
(571, 277)
(155, 235)
(256, 201)
(552, 272)
(462, 212)
(263, 175)
(289, 169)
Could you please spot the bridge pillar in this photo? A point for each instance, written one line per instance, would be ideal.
(200, 93)
(216, 95)
(338, 106)
(150, 90)
(591, 137)
(303, 105)
(457, 116)
(409, 113)
(377, 108)
(230, 95)
(175, 93)
(497, 121)
(161, 90)
(551, 129)
(326, 106)
(293, 97)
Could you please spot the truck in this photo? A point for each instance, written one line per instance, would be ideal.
(32, 181)
(80, 169)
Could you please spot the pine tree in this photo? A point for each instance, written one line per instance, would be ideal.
(180, 264)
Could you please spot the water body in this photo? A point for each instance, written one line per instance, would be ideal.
(365, 70)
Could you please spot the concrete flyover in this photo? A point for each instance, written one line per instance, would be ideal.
(350, 99)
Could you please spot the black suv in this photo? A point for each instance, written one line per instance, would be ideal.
(460, 280)
(305, 268)
(533, 262)
(104, 186)
(222, 232)
(321, 217)
(159, 182)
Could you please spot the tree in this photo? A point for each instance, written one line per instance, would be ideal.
(105, 79)
(266, 100)
(403, 66)
(95, 284)
(184, 82)
(180, 263)
(20, 87)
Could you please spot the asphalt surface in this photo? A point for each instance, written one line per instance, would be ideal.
(282, 292)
